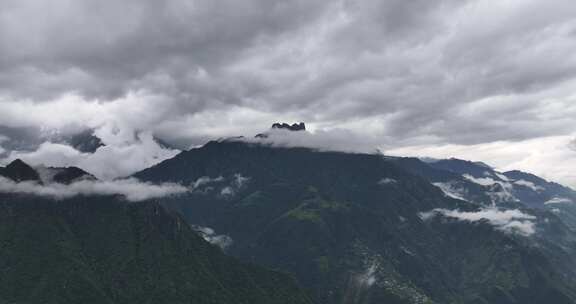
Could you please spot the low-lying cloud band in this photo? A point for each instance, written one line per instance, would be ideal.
(510, 221)
(131, 189)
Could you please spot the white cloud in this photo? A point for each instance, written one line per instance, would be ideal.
(547, 157)
(499, 194)
(205, 180)
(118, 159)
(227, 192)
(510, 221)
(484, 181)
(387, 181)
(131, 189)
(558, 200)
(452, 190)
(529, 184)
(225, 187)
(502, 176)
(221, 240)
(464, 76)
(135, 111)
(368, 277)
(332, 140)
(123, 125)
(240, 181)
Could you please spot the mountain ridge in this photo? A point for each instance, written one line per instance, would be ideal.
(333, 217)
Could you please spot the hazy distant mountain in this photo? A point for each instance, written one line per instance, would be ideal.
(359, 228)
(456, 177)
(84, 141)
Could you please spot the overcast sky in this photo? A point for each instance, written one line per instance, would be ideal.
(490, 80)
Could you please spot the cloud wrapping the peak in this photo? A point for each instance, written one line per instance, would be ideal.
(546, 157)
(332, 140)
(118, 159)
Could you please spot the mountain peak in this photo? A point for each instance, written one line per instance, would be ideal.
(70, 174)
(20, 171)
(283, 126)
(294, 127)
(17, 163)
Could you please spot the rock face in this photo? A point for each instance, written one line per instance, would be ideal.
(294, 127)
(283, 126)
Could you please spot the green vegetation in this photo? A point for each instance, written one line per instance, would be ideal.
(347, 238)
(101, 250)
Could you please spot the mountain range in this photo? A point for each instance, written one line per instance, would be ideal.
(102, 249)
(334, 227)
(366, 228)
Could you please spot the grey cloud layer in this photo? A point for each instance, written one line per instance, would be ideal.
(410, 67)
(403, 73)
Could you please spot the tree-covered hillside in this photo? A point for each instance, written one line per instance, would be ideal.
(103, 250)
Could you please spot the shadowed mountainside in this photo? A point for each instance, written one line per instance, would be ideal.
(100, 249)
(351, 227)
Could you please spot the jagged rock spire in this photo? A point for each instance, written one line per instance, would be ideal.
(294, 127)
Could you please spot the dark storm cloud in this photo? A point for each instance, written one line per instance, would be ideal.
(104, 49)
(418, 59)
(406, 72)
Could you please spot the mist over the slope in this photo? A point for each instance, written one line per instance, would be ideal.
(130, 189)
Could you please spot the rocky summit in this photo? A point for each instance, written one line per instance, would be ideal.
(293, 127)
